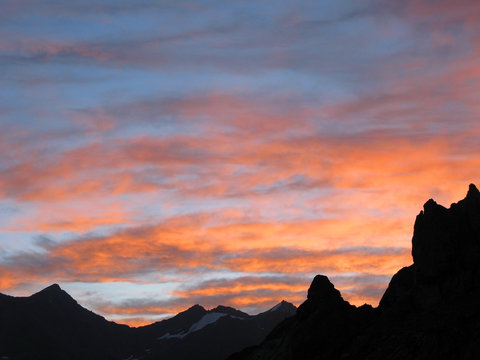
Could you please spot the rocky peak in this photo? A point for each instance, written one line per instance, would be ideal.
(473, 192)
(446, 241)
(194, 310)
(446, 256)
(322, 296)
(432, 208)
(53, 293)
(52, 289)
(322, 289)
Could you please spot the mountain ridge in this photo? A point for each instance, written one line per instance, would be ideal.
(50, 324)
(428, 311)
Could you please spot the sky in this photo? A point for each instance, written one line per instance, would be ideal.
(160, 154)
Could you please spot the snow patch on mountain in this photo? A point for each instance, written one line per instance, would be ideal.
(207, 319)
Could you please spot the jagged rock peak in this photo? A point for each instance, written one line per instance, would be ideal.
(473, 191)
(321, 287)
(432, 208)
(430, 204)
(322, 296)
(446, 241)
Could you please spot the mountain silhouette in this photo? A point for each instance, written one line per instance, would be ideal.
(429, 310)
(52, 325)
(210, 334)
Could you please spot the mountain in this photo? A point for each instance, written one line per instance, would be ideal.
(213, 334)
(52, 325)
(429, 310)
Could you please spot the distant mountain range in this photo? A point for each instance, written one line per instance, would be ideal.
(52, 325)
(430, 309)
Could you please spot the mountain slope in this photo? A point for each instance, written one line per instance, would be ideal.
(429, 310)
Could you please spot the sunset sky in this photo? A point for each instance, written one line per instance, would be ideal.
(159, 154)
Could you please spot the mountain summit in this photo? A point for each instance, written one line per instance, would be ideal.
(54, 294)
(429, 310)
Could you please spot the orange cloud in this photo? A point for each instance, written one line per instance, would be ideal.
(188, 246)
(145, 250)
(7, 278)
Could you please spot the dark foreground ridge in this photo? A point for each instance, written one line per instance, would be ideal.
(430, 309)
(52, 325)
